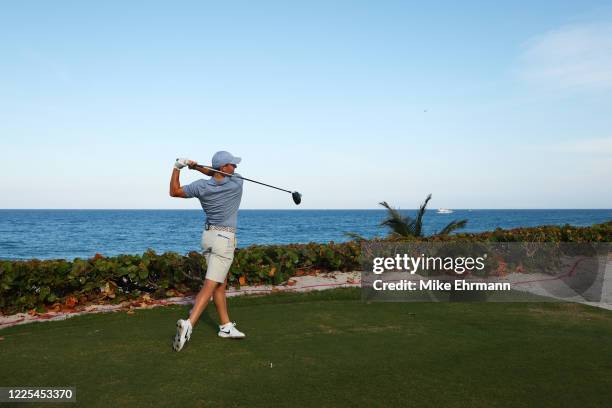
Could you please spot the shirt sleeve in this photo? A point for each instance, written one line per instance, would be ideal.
(193, 189)
(237, 180)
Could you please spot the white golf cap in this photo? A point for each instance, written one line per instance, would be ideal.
(222, 158)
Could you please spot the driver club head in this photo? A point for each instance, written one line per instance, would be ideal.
(297, 197)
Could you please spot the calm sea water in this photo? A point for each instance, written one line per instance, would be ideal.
(49, 234)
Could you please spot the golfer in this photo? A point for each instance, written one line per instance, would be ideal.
(220, 198)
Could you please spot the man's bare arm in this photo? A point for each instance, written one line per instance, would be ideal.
(203, 170)
(175, 185)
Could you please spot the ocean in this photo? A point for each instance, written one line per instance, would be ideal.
(67, 234)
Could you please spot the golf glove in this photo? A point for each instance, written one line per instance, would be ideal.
(180, 163)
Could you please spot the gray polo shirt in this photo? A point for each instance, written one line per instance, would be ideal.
(220, 199)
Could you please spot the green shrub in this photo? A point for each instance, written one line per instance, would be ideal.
(33, 284)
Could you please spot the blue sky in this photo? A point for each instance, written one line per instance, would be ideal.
(351, 103)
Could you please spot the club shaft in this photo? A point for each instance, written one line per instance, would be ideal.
(244, 178)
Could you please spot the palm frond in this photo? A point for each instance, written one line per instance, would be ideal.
(399, 225)
(418, 226)
(355, 236)
(452, 226)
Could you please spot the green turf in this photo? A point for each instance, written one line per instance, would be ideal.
(327, 349)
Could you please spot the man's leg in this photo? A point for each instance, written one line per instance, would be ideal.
(221, 302)
(227, 329)
(201, 300)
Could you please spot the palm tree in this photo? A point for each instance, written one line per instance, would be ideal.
(413, 227)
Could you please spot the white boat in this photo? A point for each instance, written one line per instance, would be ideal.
(444, 211)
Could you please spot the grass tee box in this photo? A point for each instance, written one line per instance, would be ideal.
(325, 349)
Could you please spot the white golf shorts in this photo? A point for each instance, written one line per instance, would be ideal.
(218, 249)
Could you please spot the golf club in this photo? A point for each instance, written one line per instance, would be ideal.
(297, 197)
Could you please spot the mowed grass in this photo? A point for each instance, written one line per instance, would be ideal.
(326, 349)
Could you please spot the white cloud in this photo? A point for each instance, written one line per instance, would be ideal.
(575, 56)
(600, 146)
(581, 147)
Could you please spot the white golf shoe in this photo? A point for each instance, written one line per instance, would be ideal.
(230, 331)
(183, 333)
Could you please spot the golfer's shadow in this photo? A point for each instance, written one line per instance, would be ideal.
(206, 318)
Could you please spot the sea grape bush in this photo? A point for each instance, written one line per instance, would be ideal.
(34, 284)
